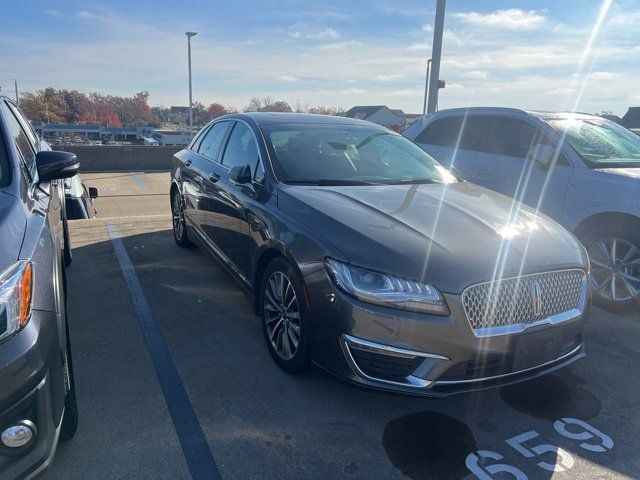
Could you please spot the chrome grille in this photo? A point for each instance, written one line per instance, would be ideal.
(493, 308)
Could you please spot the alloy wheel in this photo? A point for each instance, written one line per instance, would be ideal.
(615, 269)
(178, 216)
(282, 315)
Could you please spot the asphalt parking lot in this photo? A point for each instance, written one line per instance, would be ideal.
(171, 364)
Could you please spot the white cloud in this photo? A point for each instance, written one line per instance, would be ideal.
(388, 78)
(417, 47)
(326, 33)
(511, 19)
(628, 18)
(353, 91)
(287, 78)
(88, 15)
(475, 74)
(602, 75)
(427, 27)
(52, 12)
(341, 45)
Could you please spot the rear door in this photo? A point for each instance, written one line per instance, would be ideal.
(454, 141)
(503, 165)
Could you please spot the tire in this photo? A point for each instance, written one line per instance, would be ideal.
(70, 419)
(68, 255)
(612, 279)
(280, 326)
(180, 232)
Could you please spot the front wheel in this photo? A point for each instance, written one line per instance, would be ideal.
(615, 266)
(70, 419)
(284, 317)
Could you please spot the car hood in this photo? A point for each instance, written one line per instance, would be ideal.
(12, 226)
(451, 236)
(627, 172)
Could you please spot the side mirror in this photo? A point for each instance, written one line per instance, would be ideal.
(240, 174)
(93, 193)
(542, 154)
(54, 165)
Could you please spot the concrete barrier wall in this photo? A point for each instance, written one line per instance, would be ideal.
(127, 157)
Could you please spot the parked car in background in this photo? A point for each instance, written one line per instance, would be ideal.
(581, 170)
(79, 199)
(37, 389)
(363, 255)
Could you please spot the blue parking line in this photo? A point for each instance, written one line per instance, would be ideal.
(194, 445)
(138, 180)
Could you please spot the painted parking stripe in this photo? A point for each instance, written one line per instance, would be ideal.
(138, 180)
(194, 445)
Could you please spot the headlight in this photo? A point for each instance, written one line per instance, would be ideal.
(16, 287)
(386, 290)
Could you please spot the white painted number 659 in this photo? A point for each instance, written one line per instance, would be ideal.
(588, 432)
(487, 472)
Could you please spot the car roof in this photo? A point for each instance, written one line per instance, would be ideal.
(542, 114)
(269, 118)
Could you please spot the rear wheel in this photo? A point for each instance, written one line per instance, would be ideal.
(179, 222)
(615, 266)
(286, 329)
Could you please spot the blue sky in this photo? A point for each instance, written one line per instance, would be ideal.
(529, 54)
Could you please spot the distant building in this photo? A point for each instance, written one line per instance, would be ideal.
(631, 119)
(75, 133)
(171, 137)
(178, 115)
(382, 115)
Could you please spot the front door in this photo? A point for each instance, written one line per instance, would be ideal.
(503, 164)
(229, 219)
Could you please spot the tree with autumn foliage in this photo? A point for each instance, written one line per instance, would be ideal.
(71, 106)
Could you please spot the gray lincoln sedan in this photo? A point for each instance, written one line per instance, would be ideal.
(365, 257)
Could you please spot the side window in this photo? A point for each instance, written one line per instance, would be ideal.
(198, 138)
(26, 126)
(241, 148)
(212, 141)
(444, 133)
(467, 132)
(511, 137)
(21, 140)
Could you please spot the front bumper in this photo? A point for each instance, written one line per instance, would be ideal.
(429, 355)
(31, 376)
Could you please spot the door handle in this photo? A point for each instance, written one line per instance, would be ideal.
(214, 177)
(188, 163)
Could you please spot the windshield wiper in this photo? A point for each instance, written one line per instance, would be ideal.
(330, 182)
(413, 181)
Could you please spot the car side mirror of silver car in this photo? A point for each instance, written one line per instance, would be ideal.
(542, 154)
(240, 174)
(93, 192)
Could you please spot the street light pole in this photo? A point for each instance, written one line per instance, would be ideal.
(426, 88)
(436, 54)
(189, 35)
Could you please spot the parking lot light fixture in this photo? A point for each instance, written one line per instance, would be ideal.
(189, 35)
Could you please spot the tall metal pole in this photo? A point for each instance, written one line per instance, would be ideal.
(189, 35)
(436, 54)
(16, 84)
(426, 88)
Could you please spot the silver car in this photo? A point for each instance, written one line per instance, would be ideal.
(581, 170)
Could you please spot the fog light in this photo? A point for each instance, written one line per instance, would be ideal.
(19, 435)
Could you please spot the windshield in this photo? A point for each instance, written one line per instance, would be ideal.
(348, 154)
(600, 142)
